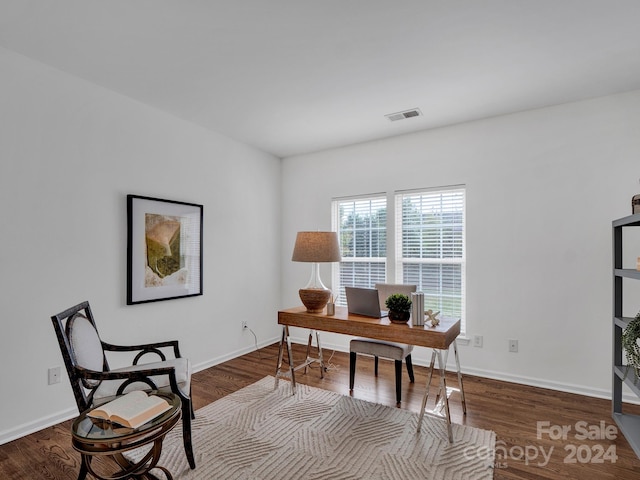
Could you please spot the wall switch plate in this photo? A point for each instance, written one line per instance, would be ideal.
(477, 340)
(513, 346)
(54, 375)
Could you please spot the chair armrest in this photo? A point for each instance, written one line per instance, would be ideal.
(133, 374)
(142, 375)
(144, 349)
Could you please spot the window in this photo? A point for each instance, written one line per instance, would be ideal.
(430, 230)
(428, 238)
(361, 224)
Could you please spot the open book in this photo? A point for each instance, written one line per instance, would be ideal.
(131, 409)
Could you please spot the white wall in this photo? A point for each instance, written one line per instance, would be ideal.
(542, 189)
(69, 153)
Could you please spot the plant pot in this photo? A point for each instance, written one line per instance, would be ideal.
(399, 317)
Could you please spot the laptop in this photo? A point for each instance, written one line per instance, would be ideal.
(364, 301)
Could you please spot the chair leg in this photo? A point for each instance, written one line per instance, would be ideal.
(398, 364)
(352, 369)
(187, 408)
(375, 366)
(83, 469)
(407, 360)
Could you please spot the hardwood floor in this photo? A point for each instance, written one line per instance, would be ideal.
(512, 411)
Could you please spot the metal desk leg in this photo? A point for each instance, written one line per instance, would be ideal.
(446, 360)
(308, 361)
(443, 388)
(290, 358)
(285, 339)
(459, 373)
(426, 393)
(280, 355)
(464, 403)
(443, 398)
(320, 359)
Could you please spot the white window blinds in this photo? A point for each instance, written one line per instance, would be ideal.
(361, 224)
(428, 240)
(430, 228)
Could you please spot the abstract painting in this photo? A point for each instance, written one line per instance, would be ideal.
(164, 249)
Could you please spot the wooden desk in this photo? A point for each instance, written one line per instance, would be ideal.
(439, 338)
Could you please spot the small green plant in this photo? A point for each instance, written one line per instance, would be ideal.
(630, 337)
(398, 303)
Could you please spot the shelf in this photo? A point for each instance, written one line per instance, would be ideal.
(622, 322)
(632, 381)
(629, 221)
(630, 427)
(627, 272)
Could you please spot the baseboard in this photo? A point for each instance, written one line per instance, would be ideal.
(549, 384)
(45, 422)
(37, 425)
(51, 420)
(506, 377)
(235, 354)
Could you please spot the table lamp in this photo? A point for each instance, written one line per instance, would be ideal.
(316, 247)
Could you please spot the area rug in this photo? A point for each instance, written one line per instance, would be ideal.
(259, 433)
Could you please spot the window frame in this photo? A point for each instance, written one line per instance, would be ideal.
(400, 260)
(335, 224)
(394, 261)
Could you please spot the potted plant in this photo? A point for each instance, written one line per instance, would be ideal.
(399, 307)
(630, 337)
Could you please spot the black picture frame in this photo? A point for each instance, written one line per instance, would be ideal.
(164, 249)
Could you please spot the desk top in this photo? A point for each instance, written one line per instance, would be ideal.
(377, 328)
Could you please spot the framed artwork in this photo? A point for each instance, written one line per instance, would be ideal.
(164, 249)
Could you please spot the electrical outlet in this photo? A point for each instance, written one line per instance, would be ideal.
(54, 375)
(513, 345)
(244, 325)
(477, 341)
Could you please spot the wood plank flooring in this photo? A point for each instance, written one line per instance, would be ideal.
(512, 411)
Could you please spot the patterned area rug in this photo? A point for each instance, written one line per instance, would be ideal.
(260, 434)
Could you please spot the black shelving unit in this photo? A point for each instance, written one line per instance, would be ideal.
(628, 424)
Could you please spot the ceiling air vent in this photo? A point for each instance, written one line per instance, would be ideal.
(414, 112)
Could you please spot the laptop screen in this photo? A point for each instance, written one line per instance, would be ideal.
(363, 301)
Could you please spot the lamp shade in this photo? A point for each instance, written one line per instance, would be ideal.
(317, 247)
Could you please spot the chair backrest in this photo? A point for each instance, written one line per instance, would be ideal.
(387, 289)
(81, 348)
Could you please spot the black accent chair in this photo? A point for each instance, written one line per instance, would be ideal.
(94, 383)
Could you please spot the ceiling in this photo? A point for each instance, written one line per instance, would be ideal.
(297, 76)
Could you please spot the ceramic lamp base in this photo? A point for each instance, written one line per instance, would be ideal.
(315, 299)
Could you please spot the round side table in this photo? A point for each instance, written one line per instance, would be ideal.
(98, 438)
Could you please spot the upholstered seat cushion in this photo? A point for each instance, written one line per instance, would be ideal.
(379, 348)
(86, 346)
(108, 388)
